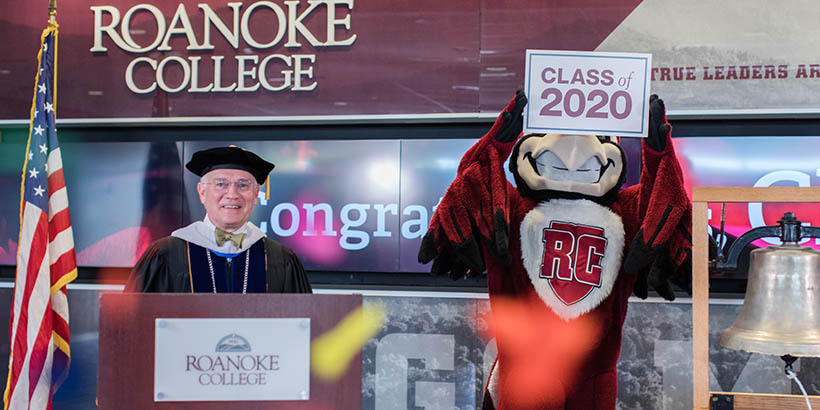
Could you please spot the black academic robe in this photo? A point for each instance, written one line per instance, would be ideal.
(172, 264)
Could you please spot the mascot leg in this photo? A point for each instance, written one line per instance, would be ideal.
(596, 393)
(499, 398)
(490, 401)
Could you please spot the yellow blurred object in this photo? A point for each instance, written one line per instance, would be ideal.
(331, 352)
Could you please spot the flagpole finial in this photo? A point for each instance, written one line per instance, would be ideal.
(52, 10)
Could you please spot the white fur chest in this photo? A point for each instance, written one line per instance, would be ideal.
(572, 252)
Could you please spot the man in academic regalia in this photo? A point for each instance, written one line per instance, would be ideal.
(223, 252)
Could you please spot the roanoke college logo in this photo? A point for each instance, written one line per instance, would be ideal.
(573, 259)
(233, 364)
(233, 343)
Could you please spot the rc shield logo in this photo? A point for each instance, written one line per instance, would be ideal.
(572, 250)
(573, 257)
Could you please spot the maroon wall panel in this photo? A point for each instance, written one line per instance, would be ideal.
(408, 57)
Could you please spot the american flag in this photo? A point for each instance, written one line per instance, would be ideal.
(39, 356)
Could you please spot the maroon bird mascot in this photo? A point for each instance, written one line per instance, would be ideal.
(568, 243)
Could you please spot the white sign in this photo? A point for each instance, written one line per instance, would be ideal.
(232, 359)
(573, 92)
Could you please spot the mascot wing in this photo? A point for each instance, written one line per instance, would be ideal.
(662, 248)
(476, 205)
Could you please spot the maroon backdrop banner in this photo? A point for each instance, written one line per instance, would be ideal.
(125, 59)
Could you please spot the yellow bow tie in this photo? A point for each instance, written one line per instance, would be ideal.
(222, 236)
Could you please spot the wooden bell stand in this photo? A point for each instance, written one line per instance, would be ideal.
(703, 398)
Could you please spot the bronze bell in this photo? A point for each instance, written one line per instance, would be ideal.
(781, 311)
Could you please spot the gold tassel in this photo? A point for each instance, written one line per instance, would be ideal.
(267, 188)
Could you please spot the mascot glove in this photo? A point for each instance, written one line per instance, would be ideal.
(659, 129)
(671, 262)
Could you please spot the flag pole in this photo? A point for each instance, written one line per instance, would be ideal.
(52, 11)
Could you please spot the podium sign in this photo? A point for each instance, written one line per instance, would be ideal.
(232, 359)
(588, 93)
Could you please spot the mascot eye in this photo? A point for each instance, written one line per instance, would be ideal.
(592, 165)
(549, 166)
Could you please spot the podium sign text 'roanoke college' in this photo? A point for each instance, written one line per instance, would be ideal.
(232, 359)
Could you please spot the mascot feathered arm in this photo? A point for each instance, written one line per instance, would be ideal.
(662, 248)
(476, 205)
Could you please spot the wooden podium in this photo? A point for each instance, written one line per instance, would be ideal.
(125, 377)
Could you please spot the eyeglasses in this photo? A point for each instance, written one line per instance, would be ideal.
(223, 185)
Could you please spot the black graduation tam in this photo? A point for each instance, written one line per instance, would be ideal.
(229, 158)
